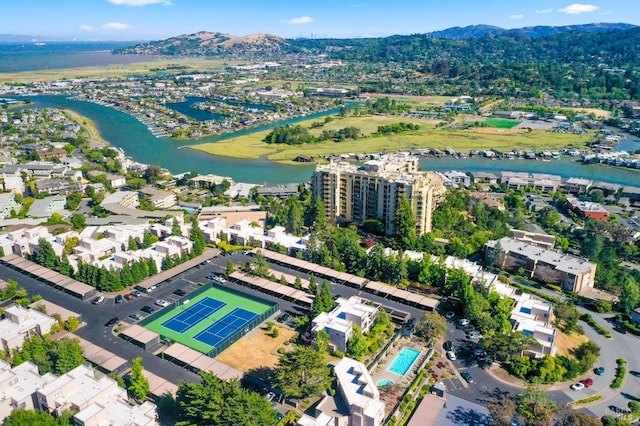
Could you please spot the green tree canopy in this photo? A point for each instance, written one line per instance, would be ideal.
(216, 402)
(138, 384)
(301, 373)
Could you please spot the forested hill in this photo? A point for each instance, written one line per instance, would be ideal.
(478, 31)
(614, 48)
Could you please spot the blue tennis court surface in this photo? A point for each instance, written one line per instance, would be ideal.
(192, 315)
(226, 326)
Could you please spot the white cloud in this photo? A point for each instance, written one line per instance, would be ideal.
(517, 16)
(139, 2)
(116, 26)
(300, 21)
(578, 8)
(84, 27)
(544, 10)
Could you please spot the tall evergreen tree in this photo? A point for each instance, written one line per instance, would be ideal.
(197, 236)
(139, 384)
(406, 225)
(176, 231)
(153, 267)
(295, 219)
(302, 372)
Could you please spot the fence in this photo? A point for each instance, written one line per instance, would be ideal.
(274, 308)
(243, 332)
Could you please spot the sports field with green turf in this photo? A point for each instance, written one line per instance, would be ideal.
(231, 301)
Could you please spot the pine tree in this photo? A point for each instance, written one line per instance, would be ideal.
(197, 236)
(131, 244)
(313, 285)
(139, 384)
(230, 268)
(153, 267)
(176, 231)
(406, 225)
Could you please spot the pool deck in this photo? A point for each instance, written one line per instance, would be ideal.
(381, 372)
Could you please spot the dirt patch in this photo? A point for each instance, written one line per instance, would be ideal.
(565, 342)
(256, 350)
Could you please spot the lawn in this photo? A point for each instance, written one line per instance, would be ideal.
(250, 146)
(501, 124)
(232, 300)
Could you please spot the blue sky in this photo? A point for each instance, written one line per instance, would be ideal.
(157, 19)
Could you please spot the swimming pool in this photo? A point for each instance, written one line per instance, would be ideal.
(384, 382)
(403, 361)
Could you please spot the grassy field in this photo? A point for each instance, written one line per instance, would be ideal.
(114, 70)
(501, 124)
(95, 139)
(251, 146)
(232, 301)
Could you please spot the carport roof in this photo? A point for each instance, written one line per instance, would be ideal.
(140, 334)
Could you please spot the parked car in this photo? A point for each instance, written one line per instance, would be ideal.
(113, 321)
(179, 292)
(475, 335)
(136, 293)
(449, 315)
(463, 322)
(119, 298)
(599, 371)
(98, 300)
(162, 303)
(283, 318)
(148, 309)
(467, 376)
(577, 386)
(479, 353)
(587, 382)
(219, 279)
(451, 355)
(448, 345)
(129, 296)
(136, 316)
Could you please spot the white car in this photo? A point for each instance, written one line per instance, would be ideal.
(162, 303)
(475, 335)
(577, 386)
(451, 355)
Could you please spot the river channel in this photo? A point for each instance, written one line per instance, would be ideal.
(124, 131)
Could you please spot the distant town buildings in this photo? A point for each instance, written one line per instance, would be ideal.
(353, 194)
(572, 273)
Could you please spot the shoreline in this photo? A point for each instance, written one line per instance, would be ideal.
(87, 125)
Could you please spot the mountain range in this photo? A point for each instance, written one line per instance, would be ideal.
(214, 44)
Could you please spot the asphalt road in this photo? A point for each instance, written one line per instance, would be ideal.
(626, 346)
(96, 316)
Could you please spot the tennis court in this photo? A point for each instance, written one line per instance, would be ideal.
(231, 323)
(195, 313)
(211, 319)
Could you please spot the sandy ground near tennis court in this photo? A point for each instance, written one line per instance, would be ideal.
(257, 350)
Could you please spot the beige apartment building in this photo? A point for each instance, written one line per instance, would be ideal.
(353, 193)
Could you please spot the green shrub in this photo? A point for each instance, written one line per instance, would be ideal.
(282, 351)
(621, 371)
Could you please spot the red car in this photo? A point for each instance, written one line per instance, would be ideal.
(129, 296)
(587, 382)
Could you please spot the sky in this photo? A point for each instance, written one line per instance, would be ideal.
(159, 19)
